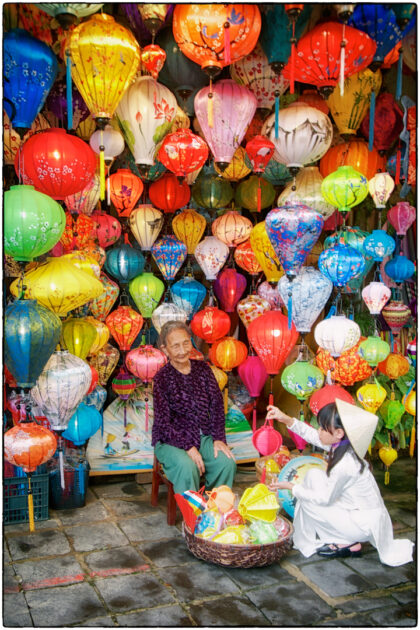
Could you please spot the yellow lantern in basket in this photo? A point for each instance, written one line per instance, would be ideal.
(371, 396)
(188, 227)
(78, 336)
(102, 334)
(265, 253)
(233, 535)
(258, 503)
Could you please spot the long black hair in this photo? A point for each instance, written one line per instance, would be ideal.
(329, 420)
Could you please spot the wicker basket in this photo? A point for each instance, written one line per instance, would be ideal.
(259, 468)
(240, 556)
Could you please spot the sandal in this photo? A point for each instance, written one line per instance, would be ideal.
(334, 551)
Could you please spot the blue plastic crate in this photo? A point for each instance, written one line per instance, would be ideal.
(15, 499)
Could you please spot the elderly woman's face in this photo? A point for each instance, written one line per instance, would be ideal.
(178, 347)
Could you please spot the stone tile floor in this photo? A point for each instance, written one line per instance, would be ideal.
(116, 563)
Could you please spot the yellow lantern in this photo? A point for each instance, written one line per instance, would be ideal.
(349, 110)
(102, 334)
(85, 262)
(232, 228)
(189, 227)
(388, 456)
(78, 336)
(265, 253)
(105, 362)
(146, 222)
(307, 191)
(371, 396)
(86, 128)
(59, 286)
(181, 120)
(220, 376)
(237, 168)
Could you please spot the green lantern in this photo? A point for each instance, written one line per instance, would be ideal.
(374, 350)
(391, 412)
(301, 379)
(212, 192)
(78, 336)
(344, 188)
(33, 223)
(146, 291)
(247, 194)
(275, 173)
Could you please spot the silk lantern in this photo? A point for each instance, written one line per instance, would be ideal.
(31, 333)
(144, 362)
(314, 99)
(246, 259)
(78, 336)
(327, 395)
(84, 201)
(123, 385)
(253, 375)
(167, 312)
(169, 254)
(394, 366)
(220, 376)
(124, 262)
(397, 315)
(401, 216)
(188, 294)
(388, 455)
(380, 23)
(110, 139)
(399, 268)
(83, 261)
(169, 194)
(124, 325)
(229, 287)
(79, 229)
(105, 362)
(210, 324)
(227, 353)
(84, 423)
(306, 190)
(337, 334)
(379, 245)
(380, 189)
(101, 306)
(102, 335)
(301, 379)
(371, 396)
(125, 189)
(145, 223)
(212, 192)
(254, 194)
(341, 263)
(251, 307)
(108, 229)
(264, 252)
(11, 139)
(277, 174)
(374, 350)
(375, 295)
(271, 294)
(345, 188)
(189, 227)
(211, 254)
(354, 153)
(183, 152)
(33, 223)
(259, 150)
(146, 291)
(386, 125)
(346, 369)
(231, 228)
(237, 168)
(355, 238)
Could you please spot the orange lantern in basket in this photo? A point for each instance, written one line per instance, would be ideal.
(354, 153)
(348, 368)
(168, 194)
(245, 258)
(210, 324)
(394, 366)
(125, 189)
(124, 325)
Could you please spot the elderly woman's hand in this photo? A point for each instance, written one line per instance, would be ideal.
(195, 455)
(223, 448)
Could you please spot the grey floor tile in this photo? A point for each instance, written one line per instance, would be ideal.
(355, 621)
(92, 537)
(10, 579)
(128, 592)
(258, 576)
(119, 489)
(93, 512)
(46, 543)
(105, 562)
(49, 573)
(15, 611)
(408, 596)
(163, 617)
(6, 554)
(380, 575)
(402, 616)
(228, 611)
(198, 580)
(99, 622)
(171, 553)
(150, 527)
(129, 507)
(65, 605)
(345, 580)
(361, 603)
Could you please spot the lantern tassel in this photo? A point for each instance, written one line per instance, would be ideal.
(30, 506)
(276, 115)
(372, 119)
(412, 440)
(254, 417)
(342, 61)
(61, 464)
(108, 190)
(398, 89)
(102, 167)
(225, 399)
(81, 478)
(210, 105)
(292, 61)
(289, 311)
(227, 55)
(398, 166)
(69, 92)
(147, 414)
(263, 475)
(259, 195)
(386, 477)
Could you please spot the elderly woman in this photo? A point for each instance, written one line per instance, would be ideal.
(189, 421)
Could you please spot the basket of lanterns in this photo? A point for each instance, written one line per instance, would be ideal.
(243, 534)
(268, 467)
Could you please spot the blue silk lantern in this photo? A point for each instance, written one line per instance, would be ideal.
(378, 245)
(276, 33)
(380, 23)
(188, 294)
(83, 424)
(399, 269)
(31, 333)
(124, 262)
(310, 292)
(30, 68)
(169, 254)
(96, 398)
(354, 237)
(275, 173)
(341, 263)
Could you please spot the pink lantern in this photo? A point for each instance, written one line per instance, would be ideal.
(211, 254)
(271, 294)
(108, 229)
(251, 307)
(229, 286)
(253, 375)
(144, 362)
(375, 295)
(298, 441)
(224, 117)
(401, 217)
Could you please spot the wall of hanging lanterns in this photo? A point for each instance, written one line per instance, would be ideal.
(196, 178)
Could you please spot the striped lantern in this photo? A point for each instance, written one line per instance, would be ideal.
(123, 384)
(396, 314)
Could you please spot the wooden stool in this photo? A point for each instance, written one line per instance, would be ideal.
(158, 477)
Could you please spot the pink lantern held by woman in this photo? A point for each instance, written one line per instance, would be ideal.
(144, 362)
(253, 375)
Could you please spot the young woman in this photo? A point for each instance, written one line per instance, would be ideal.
(189, 420)
(338, 509)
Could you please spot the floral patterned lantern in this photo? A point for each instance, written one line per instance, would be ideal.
(146, 291)
(210, 324)
(306, 190)
(378, 245)
(231, 228)
(125, 189)
(401, 216)
(108, 229)
(124, 325)
(144, 362)
(344, 188)
(245, 258)
(168, 194)
(346, 369)
(337, 334)
(264, 252)
(11, 139)
(380, 188)
(371, 396)
(341, 263)
(328, 394)
(251, 307)
(301, 379)
(229, 287)
(145, 223)
(211, 254)
(105, 362)
(79, 230)
(375, 295)
(84, 201)
(374, 350)
(189, 227)
(188, 294)
(259, 150)
(183, 152)
(169, 254)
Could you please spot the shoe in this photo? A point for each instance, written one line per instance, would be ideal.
(333, 551)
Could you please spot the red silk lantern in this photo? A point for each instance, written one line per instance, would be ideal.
(108, 229)
(153, 58)
(79, 230)
(210, 324)
(196, 354)
(125, 189)
(245, 258)
(348, 368)
(394, 366)
(260, 150)
(124, 325)
(253, 375)
(327, 395)
(144, 362)
(388, 122)
(168, 194)
(227, 353)
(229, 287)
(183, 152)
(94, 381)
(56, 163)
(353, 153)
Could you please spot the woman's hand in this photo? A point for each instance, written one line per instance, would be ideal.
(223, 448)
(280, 485)
(195, 455)
(274, 413)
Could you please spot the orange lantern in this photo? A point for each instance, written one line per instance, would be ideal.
(227, 353)
(168, 194)
(394, 366)
(124, 325)
(314, 99)
(246, 259)
(210, 324)
(348, 368)
(231, 228)
(125, 189)
(79, 230)
(354, 153)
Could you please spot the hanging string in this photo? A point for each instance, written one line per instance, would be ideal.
(210, 105)
(372, 119)
(398, 165)
(271, 397)
(259, 195)
(276, 115)
(102, 167)
(342, 60)
(226, 34)
(146, 400)
(293, 41)
(69, 91)
(398, 89)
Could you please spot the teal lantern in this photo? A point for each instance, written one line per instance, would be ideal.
(374, 350)
(84, 423)
(378, 245)
(146, 291)
(31, 333)
(302, 379)
(212, 192)
(188, 294)
(355, 238)
(275, 173)
(277, 32)
(124, 262)
(399, 268)
(344, 188)
(33, 223)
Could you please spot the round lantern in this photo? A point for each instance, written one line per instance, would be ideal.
(78, 336)
(374, 350)
(337, 334)
(146, 112)
(380, 188)
(33, 223)
(264, 252)
(212, 192)
(105, 362)
(397, 315)
(125, 189)
(251, 307)
(375, 295)
(124, 325)
(102, 335)
(355, 153)
(30, 68)
(110, 139)
(281, 23)
(399, 268)
(168, 194)
(189, 227)
(401, 216)
(309, 290)
(28, 445)
(371, 396)
(183, 152)
(56, 163)
(210, 324)
(409, 401)
(146, 222)
(347, 369)
(259, 150)
(144, 362)
(83, 261)
(328, 394)
(169, 254)
(381, 24)
(272, 339)
(101, 306)
(146, 291)
(227, 353)
(211, 254)
(271, 294)
(167, 312)
(59, 286)
(306, 190)
(31, 333)
(108, 229)
(124, 262)
(237, 168)
(188, 294)
(341, 263)
(84, 201)
(394, 365)
(254, 194)
(301, 379)
(344, 188)
(84, 423)
(231, 228)
(253, 375)
(216, 35)
(123, 385)
(378, 245)
(304, 135)
(229, 287)
(246, 259)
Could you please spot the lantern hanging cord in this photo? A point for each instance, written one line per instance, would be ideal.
(342, 60)
(69, 94)
(210, 105)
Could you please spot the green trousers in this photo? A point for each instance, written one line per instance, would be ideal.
(183, 472)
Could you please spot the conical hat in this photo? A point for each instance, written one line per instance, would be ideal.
(359, 425)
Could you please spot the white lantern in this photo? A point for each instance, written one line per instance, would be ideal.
(145, 223)
(337, 334)
(380, 188)
(146, 112)
(76, 9)
(232, 228)
(251, 307)
(304, 136)
(375, 295)
(308, 191)
(211, 254)
(111, 139)
(167, 312)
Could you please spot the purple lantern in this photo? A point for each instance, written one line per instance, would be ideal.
(56, 103)
(140, 30)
